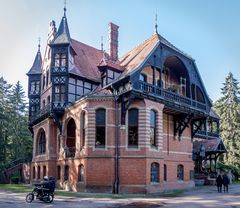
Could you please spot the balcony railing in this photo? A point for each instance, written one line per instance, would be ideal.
(168, 95)
(43, 111)
(203, 133)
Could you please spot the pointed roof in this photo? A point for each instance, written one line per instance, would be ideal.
(107, 62)
(86, 61)
(37, 64)
(63, 34)
(211, 145)
(137, 56)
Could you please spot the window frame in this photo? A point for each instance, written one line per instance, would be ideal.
(180, 172)
(100, 126)
(66, 172)
(155, 172)
(59, 172)
(133, 125)
(81, 173)
(153, 130)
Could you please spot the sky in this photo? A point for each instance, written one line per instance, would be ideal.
(207, 30)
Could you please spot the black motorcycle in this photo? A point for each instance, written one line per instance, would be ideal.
(41, 194)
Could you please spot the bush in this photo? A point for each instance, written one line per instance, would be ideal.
(225, 167)
(15, 180)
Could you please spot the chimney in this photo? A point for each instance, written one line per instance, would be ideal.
(52, 31)
(113, 41)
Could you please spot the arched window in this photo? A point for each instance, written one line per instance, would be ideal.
(71, 138)
(165, 172)
(153, 139)
(155, 172)
(83, 128)
(34, 173)
(180, 172)
(81, 173)
(58, 172)
(41, 149)
(100, 127)
(133, 127)
(66, 172)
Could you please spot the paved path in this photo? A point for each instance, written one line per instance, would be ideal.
(200, 197)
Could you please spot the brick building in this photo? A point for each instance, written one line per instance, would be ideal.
(110, 124)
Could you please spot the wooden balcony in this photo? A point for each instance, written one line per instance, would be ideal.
(41, 114)
(205, 134)
(166, 95)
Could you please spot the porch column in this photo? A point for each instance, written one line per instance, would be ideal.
(154, 75)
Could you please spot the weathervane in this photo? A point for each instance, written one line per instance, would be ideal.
(39, 43)
(101, 43)
(156, 25)
(65, 7)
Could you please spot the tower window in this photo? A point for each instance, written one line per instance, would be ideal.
(60, 59)
(60, 93)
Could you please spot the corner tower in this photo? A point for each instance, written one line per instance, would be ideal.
(34, 85)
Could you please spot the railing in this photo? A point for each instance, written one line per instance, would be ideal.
(205, 133)
(168, 95)
(43, 111)
(69, 152)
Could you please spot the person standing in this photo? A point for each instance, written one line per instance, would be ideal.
(219, 181)
(225, 182)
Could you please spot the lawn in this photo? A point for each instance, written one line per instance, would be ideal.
(25, 188)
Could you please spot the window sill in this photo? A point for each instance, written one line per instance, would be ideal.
(154, 183)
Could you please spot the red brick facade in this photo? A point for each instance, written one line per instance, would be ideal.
(134, 164)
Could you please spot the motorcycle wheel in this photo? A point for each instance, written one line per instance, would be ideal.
(50, 198)
(29, 198)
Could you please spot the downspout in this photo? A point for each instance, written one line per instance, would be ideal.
(116, 164)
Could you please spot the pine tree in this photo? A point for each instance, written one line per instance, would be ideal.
(228, 107)
(19, 138)
(4, 119)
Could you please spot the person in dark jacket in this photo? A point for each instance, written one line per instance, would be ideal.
(219, 181)
(225, 182)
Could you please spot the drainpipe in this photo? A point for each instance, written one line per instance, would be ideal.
(116, 180)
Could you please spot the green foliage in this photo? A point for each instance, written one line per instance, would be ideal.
(15, 138)
(228, 107)
(224, 167)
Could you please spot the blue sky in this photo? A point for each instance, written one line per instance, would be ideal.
(207, 30)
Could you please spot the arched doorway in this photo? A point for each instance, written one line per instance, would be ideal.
(71, 138)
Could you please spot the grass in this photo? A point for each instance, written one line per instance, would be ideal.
(25, 188)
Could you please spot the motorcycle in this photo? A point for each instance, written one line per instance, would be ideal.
(41, 194)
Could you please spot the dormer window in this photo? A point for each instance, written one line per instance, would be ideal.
(60, 60)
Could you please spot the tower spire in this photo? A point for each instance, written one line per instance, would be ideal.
(156, 25)
(65, 8)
